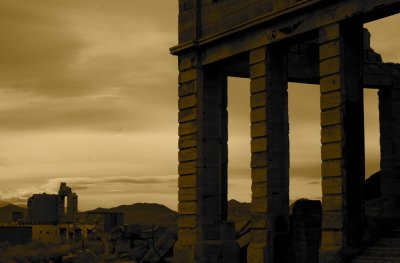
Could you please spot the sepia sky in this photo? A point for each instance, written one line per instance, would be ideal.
(88, 95)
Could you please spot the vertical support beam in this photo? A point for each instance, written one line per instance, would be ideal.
(203, 233)
(389, 119)
(342, 138)
(270, 151)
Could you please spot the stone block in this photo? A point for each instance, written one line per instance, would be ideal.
(259, 205)
(258, 70)
(329, 66)
(258, 114)
(331, 168)
(187, 168)
(187, 75)
(257, 55)
(256, 252)
(183, 252)
(187, 181)
(331, 117)
(330, 83)
(332, 185)
(187, 102)
(258, 129)
(332, 220)
(331, 133)
(187, 235)
(187, 88)
(331, 240)
(258, 99)
(187, 128)
(259, 175)
(259, 221)
(332, 202)
(187, 194)
(259, 189)
(188, 154)
(331, 151)
(258, 159)
(189, 114)
(187, 141)
(329, 49)
(258, 84)
(187, 208)
(259, 145)
(330, 100)
(187, 221)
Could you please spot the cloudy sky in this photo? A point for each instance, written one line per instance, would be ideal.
(88, 95)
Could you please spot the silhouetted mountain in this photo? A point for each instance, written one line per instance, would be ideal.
(238, 211)
(3, 203)
(144, 214)
(7, 211)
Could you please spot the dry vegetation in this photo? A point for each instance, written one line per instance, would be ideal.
(40, 252)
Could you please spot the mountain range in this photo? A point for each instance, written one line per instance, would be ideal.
(142, 213)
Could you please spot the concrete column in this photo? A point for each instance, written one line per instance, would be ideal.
(270, 152)
(203, 233)
(389, 119)
(342, 138)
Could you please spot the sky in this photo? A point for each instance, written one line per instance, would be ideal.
(88, 95)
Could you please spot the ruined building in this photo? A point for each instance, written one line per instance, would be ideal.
(272, 42)
(53, 208)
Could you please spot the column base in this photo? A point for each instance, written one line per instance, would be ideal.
(184, 253)
(225, 251)
(257, 252)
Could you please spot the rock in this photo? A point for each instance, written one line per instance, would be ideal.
(132, 231)
(122, 246)
(117, 233)
(161, 246)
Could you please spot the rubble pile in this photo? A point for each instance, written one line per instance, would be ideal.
(133, 242)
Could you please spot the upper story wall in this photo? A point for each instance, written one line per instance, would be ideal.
(207, 18)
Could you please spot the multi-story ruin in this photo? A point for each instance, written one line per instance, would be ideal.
(53, 208)
(272, 42)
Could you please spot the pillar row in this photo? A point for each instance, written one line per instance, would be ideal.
(342, 138)
(269, 152)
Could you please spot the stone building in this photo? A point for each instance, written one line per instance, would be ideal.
(272, 42)
(53, 208)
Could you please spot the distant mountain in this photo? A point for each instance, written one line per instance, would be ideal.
(7, 211)
(3, 203)
(238, 211)
(144, 214)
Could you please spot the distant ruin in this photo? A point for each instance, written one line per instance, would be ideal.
(54, 218)
(51, 208)
(273, 42)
